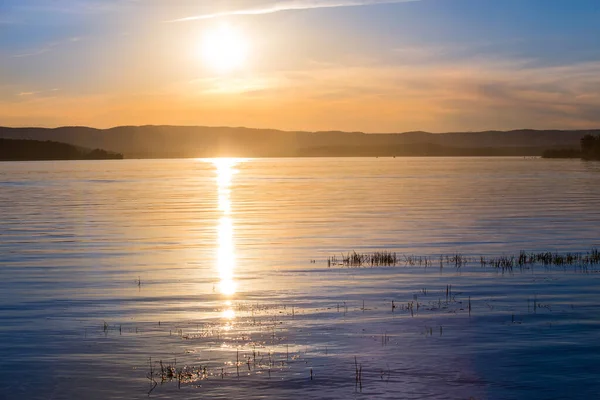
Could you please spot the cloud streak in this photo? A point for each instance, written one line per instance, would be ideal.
(291, 5)
(45, 49)
(70, 7)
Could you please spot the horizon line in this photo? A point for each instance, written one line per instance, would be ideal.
(299, 131)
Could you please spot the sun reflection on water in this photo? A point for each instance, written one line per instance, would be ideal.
(225, 169)
(226, 256)
(228, 314)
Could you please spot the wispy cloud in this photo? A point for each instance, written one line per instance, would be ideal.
(45, 49)
(72, 6)
(290, 6)
(36, 52)
(35, 93)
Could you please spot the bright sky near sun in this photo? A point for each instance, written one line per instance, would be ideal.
(368, 65)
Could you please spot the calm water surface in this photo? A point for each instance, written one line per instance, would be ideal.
(219, 267)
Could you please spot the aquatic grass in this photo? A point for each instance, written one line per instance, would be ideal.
(167, 372)
(504, 263)
(150, 377)
(358, 378)
(354, 259)
(253, 339)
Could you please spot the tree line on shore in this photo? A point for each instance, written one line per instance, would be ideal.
(589, 150)
(36, 150)
(27, 149)
(205, 142)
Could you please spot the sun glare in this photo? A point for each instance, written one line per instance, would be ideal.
(224, 49)
(225, 170)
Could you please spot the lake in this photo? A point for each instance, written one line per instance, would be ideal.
(191, 278)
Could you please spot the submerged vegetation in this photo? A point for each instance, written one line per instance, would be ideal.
(522, 260)
(359, 340)
(271, 341)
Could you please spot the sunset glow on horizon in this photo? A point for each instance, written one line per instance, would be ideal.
(354, 65)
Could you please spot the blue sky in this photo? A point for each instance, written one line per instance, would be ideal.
(375, 66)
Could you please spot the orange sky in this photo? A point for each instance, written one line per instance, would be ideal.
(320, 65)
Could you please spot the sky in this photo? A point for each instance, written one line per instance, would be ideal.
(352, 65)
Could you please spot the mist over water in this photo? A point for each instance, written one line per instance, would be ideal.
(106, 264)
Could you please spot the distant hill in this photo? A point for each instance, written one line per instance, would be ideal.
(188, 141)
(35, 150)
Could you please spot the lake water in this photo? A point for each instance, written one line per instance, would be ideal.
(218, 268)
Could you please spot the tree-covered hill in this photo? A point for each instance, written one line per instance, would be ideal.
(32, 150)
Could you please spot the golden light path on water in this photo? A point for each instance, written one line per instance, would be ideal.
(225, 170)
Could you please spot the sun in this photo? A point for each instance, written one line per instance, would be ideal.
(224, 49)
